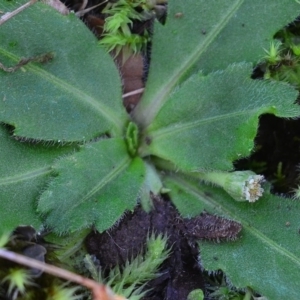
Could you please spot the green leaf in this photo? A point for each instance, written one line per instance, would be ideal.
(93, 187)
(267, 255)
(208, 36)
(212, 120)
(24, 170)
(76, 96)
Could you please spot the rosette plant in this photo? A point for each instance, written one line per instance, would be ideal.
(72, 157)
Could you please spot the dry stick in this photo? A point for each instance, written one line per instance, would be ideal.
(82, 12)
(138, 91)
(100, 291)
(9, 15)
(83, 5)
(24, 61)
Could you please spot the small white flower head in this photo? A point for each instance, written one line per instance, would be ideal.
(252, 189)
(244, 186)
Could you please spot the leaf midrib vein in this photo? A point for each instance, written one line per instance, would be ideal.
(175, 129)
(162, 94)
(214, 204)
(104, 181)
(25, 176)
(77, 93)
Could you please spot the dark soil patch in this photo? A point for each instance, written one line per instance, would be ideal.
(181, 272)
(277, 154)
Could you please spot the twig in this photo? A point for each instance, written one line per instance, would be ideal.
(9, 15)
(83, 5)
(100, 291)
(24, 61)
(82, 11)
(138, 91)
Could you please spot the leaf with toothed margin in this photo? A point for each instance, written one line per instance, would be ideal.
(76, 96)
(266, 257)
(210, 121)
(24, 169)
(93, 187)
(208, 36)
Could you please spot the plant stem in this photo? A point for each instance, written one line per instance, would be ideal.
(100, 291)
(9, 15)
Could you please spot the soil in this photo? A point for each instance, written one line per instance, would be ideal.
(278, 147)
(181, 273)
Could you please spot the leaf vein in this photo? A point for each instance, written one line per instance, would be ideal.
(104, 181)
(73, 90)
(216, 206)
(148, 114)
(172, 129)
(25, 176)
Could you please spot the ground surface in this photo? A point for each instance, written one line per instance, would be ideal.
(181, 272)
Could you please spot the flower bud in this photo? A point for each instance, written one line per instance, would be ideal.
(244, 186)
(240, 185)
